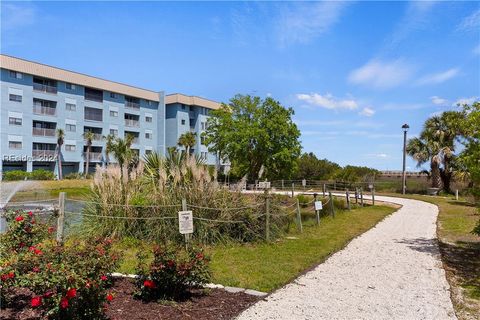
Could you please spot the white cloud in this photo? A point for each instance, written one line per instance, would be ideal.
(367, 112)
(319, 122)
(304, 22)
(439, 77)
(380, 74)
(15, 16)
(327, 101)
(462, 101)
(438, 101)
(470, 23)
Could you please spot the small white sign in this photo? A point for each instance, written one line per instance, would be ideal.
(304, 183)
(264, 184)
(185, 222)
(370, 186)
(318, 205)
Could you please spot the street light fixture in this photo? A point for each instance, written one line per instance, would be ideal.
(405, 128)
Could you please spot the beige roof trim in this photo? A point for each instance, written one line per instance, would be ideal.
(42, 70)
(192, 101)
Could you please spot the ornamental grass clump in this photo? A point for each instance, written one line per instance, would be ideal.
(173, 273)
(142, 202)
(66, 281)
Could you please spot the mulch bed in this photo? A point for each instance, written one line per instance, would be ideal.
(201, 305)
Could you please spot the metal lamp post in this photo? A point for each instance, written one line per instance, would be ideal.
(405, 128)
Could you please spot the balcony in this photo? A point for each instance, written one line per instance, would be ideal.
(97, 137)
(44, 88)
(93, 95)
(135, 140)
(44, 155)
(94, 156)
(46, 111)
(46, 132)
(132, 105)
(132, 123)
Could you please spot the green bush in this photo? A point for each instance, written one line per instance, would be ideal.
(73, 176)
(15, 175)
(42, 174)
(173, 272)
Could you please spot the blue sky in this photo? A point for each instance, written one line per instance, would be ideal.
(354, 72)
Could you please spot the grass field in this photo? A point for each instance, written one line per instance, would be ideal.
(267, 266)
(460, 251)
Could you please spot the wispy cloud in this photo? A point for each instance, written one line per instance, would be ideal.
(439, 77)
(303, 22)
(471, 22)
(436, 100)
(327, 101)
(17, 15)
(462, 101)
(382, 74)
(367, 112)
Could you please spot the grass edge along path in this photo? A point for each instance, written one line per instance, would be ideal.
(460, 251)
(268, 266)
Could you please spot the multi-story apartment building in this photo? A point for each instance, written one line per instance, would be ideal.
(37, 99)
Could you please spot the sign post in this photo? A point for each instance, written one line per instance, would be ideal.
(185, 222)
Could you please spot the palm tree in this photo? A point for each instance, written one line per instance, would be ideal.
(60, 140)
(109, 142)
(437, 145)
(121, 149)
(187, 140)
(88, 136)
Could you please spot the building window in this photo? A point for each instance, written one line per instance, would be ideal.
(148, 119)
(70, 107)
(15, 144)
(148, 135)
(15, 97)
(16, 75)
(93, 114)
(15, 121)
(183, 107)
(114, 132)
(70, 86)
(113, 95)
(113, 113)
(149, 102)
(71, 127)
(148, 151)
(183, 122)
(70, 147)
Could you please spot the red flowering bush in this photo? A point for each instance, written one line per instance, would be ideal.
(67, 282)
(172, 273)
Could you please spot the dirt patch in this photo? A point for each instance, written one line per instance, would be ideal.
(201, 305)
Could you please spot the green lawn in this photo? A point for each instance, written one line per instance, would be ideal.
(265, 267)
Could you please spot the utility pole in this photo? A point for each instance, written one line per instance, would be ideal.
(404, 174)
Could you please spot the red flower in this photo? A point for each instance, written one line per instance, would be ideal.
(149, 284)
(21, 245)
(37, 251)
(200, 256)
(64, 303)
(19, 218)
(11, 275)
(104, 278)
(36, 301)
(51, 229)
(48, 294)
(170, 263)
(30, 213)
(4, 277)
(109, 297)
(71, 293)
(36, 269)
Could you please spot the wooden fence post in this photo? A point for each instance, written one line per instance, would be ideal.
(332, 207)
(324, 189)
(61, 217)
(267, 215)
(317, 212)
(293, 189)
(356, 195)
(456, 194)
(283, 185)
(299, 217)
(373, 196)
(361, 196)
(348, 200)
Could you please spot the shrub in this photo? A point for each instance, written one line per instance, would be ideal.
(42, 174)
(74, 176)
(173, 272)
(303, 200)
(15, 175)
(67, 282)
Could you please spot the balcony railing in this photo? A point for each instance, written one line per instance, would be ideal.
(132, 105)
(45, 155)
(49, 111)
(94, 156)
(93, 97)
(97, 137)
(47, 132)
(132, 123)
(44, 88)
(135, 141)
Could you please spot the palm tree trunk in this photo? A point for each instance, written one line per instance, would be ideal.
(88, 161)
(436, 179)
(59, 158)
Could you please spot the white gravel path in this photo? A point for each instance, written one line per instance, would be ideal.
(392, 271)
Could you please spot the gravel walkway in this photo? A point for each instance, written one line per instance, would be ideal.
(392, 271)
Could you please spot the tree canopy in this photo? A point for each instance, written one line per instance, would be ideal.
(254, 133)
(312, 168)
